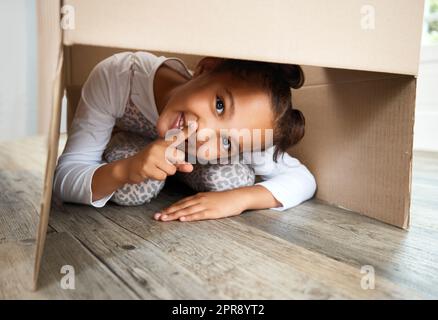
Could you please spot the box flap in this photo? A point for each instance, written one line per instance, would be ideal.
(379, 36)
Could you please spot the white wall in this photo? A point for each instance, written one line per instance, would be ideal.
(426, 112)
(18, 68)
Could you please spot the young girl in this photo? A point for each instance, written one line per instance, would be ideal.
(117, 150)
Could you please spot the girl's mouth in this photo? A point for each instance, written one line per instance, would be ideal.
(179, 122)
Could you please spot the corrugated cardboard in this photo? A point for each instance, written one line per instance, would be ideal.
(358, 141)
(359, 128)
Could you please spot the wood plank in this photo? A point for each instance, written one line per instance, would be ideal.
(20, 185)
(24, 154)
(312, 251)
(92, 279)
(409, 258)
(243, 262)
(424, 210)
(22, 164)
(151, 273)
(19, 196)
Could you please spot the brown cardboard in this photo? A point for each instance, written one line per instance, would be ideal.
(350, 34)
(52, 156)
(50, 90)
(358, 141)
(359, 130)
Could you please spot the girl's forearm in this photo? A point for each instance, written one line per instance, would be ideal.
(108, 178)
(258, 197)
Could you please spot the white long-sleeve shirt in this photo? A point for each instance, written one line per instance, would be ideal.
(103, 100)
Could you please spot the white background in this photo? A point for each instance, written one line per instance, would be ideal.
(17, 69)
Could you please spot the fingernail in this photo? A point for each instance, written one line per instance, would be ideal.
(164, 216)
(182, 218)
(157, 215)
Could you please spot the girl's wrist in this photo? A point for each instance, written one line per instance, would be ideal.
(120, 171)
(108, 178)
(257, 197)
(247, 198)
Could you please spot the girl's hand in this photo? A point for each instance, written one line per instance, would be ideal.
(206, 205)
(158, 160)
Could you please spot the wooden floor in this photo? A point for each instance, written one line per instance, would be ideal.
(312, 251)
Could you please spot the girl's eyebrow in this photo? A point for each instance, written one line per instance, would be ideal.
(231, 99)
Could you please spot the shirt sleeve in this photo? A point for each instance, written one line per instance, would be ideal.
(90, 132)
(289, 181)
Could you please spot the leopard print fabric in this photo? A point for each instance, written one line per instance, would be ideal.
(134, 121)
(218, 177)
(133, 131)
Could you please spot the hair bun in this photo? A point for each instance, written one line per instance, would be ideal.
(293, 74)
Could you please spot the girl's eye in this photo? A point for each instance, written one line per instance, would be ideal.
(226, 143)
(220, 106)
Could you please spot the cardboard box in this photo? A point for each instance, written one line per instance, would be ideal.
(360, 60)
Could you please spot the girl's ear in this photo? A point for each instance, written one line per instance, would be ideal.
(206, 64)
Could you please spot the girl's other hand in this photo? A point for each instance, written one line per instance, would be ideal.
(206, 205)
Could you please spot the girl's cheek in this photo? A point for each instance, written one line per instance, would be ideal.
(207, 151)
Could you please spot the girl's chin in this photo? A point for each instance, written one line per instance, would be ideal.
(161, 129)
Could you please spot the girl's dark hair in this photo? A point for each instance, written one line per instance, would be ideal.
(278, 79)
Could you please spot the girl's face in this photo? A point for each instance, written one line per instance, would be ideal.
(218, 103)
